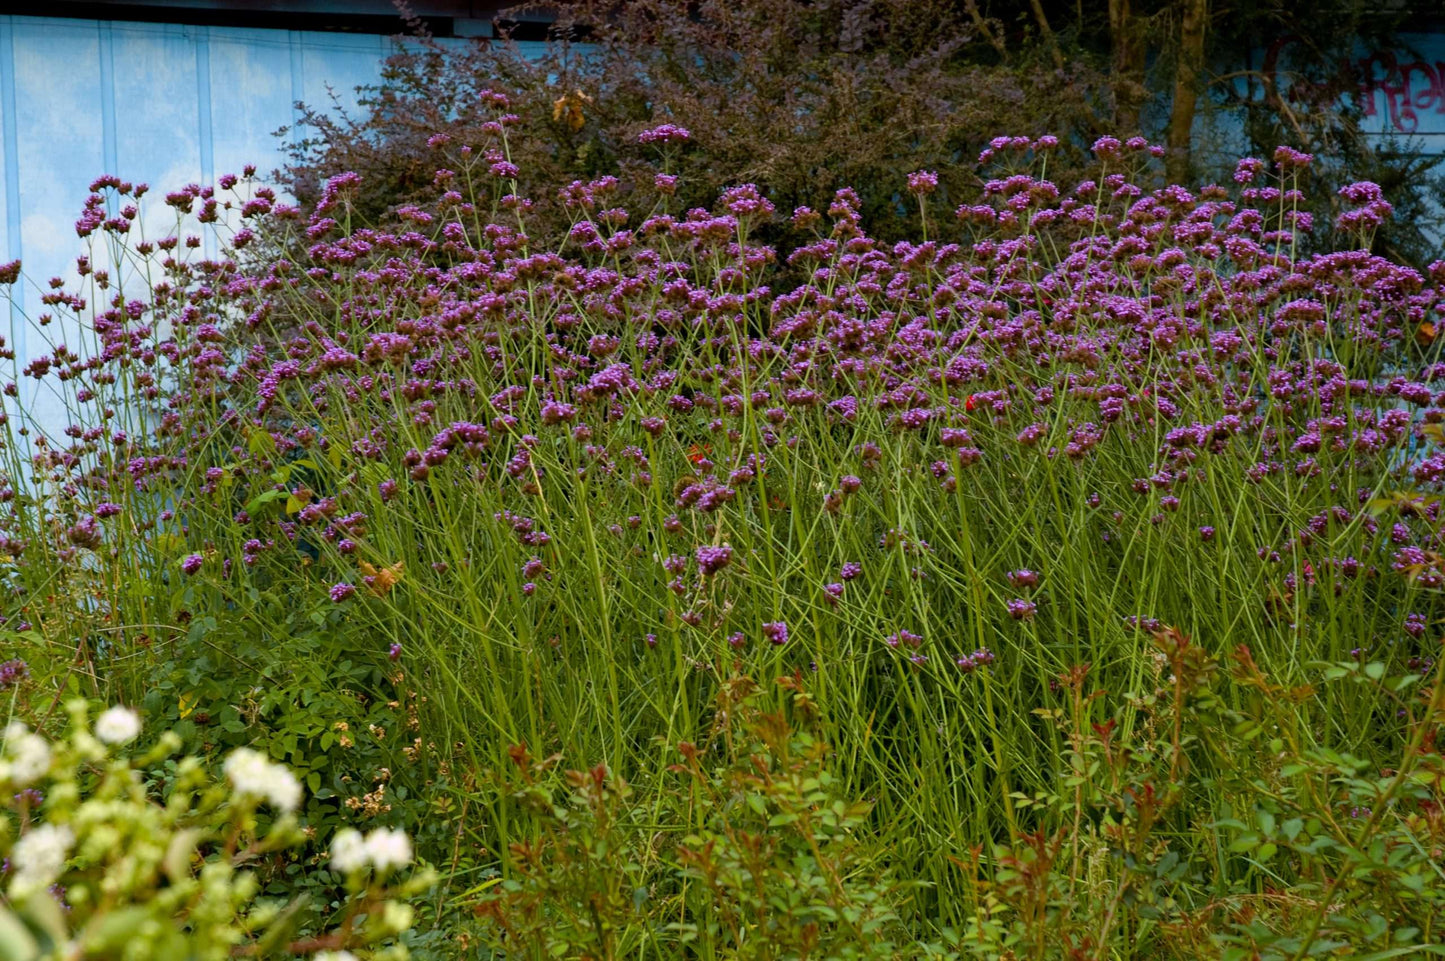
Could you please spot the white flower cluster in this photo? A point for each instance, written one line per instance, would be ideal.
(334, 956)
(26, 757)
(252, 773)
(38, 858)
(383, 849)
(117, 725)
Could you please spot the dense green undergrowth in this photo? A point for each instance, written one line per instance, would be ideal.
(1063, 584)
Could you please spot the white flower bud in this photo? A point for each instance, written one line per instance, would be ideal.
(27, 755)
(117, 725)
(252, 773)
(388, 848)
(38, 858)
(348, 851)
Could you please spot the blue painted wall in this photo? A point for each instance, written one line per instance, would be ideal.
(162, 104)
(156, 103)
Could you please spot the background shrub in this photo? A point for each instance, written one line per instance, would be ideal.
(802, 99)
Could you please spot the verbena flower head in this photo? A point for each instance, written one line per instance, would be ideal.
(711, 559)
(922, 183)
(1023, 578)
(666, 133)
(12, 672)
(1021, 609)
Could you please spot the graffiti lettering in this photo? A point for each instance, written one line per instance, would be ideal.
(1398, 95)
(1406, 89)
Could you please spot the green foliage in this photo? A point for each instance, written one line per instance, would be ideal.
(770, 860)
(1136, 840)
(128, 857)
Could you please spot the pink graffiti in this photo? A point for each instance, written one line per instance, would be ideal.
(1400, 93)
(1407, 89)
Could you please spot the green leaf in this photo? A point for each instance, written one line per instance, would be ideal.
(43, 915)
(16, 941)
(262, 499)
(1403, 682)
(282, 929)
(1265, 821)
(261, 443)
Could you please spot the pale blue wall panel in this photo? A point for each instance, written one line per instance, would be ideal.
(334, 65)
(60, 148)
(155, 81)
(164, 104)
(62, 121)
(251, 96)
(9, 137)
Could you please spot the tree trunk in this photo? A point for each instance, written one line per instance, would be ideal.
(1188, 66)
(1047, 33)
(1128, 57)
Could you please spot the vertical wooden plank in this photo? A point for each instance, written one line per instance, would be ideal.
(109, 149)
(60, 148)
(9, 136)
(205, 136)
(251, 89)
